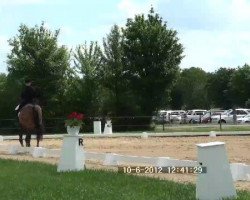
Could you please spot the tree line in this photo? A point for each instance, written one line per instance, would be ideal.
(134, 72)
(225, 88)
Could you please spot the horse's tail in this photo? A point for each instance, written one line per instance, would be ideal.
(37, 113)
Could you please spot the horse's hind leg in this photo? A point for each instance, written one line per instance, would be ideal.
(37, 142)
(27, 139)
(21, 139)
(39, 137)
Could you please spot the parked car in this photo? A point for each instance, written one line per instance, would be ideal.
(175, 116)
(167, 116)
(159, 116)
(227, 116)
(170, 115)
(206, 118)
(194, 116)
(245, 119)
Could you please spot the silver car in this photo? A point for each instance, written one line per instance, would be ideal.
(245, 119)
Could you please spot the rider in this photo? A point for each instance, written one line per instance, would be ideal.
(28, 95)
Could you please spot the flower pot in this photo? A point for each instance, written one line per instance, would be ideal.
(73, 130)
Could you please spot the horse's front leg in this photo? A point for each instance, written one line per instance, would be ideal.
(39, 137)
(21, 139)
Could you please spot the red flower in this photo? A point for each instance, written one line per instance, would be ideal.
(72, 115)
(74, 119)
(80, 116)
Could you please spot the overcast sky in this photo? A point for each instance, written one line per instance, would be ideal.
(214, 33)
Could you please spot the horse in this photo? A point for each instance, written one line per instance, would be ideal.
(30, 121)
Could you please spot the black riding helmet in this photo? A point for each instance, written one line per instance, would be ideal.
(27, 80)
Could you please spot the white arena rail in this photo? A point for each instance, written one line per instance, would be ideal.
(240, 171)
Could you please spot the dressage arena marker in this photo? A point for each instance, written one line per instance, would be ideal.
(217, 183)
(72, 154)
(144, 135)
(212, 134)
(108, 127)
(97, 127)
(39, 152)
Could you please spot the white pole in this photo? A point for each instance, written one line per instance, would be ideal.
(97, 127)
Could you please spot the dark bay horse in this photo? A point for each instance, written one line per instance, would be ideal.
(30, 120)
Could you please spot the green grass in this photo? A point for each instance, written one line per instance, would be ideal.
(32, 180)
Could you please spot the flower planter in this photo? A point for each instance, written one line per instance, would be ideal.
(73, 130)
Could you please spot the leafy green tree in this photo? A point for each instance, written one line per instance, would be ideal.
(9, 96)
(191, 88)
(247, 103)
(152, 54)
(3, 80)
(218, 87)
(112, 74)
(3, 83)
(176, 95)
(35, 53)
(86, 91)
(239, 84)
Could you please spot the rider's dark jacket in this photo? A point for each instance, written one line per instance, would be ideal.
(27, 96)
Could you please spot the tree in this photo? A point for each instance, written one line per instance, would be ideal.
(3, 80)
(152, 54)
(218, 87)
(9, 92)
(247, 103)
(112, 73)
(176, 95)
(36, 54)
(88, 61)
(239, 84)
(192, 88)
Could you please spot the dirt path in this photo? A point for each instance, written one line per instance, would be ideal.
(238, 149)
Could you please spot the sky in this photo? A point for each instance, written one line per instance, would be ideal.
(214, 33)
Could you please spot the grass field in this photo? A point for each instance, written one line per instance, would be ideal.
(32, 180)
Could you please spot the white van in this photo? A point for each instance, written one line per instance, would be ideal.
(194, 116)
